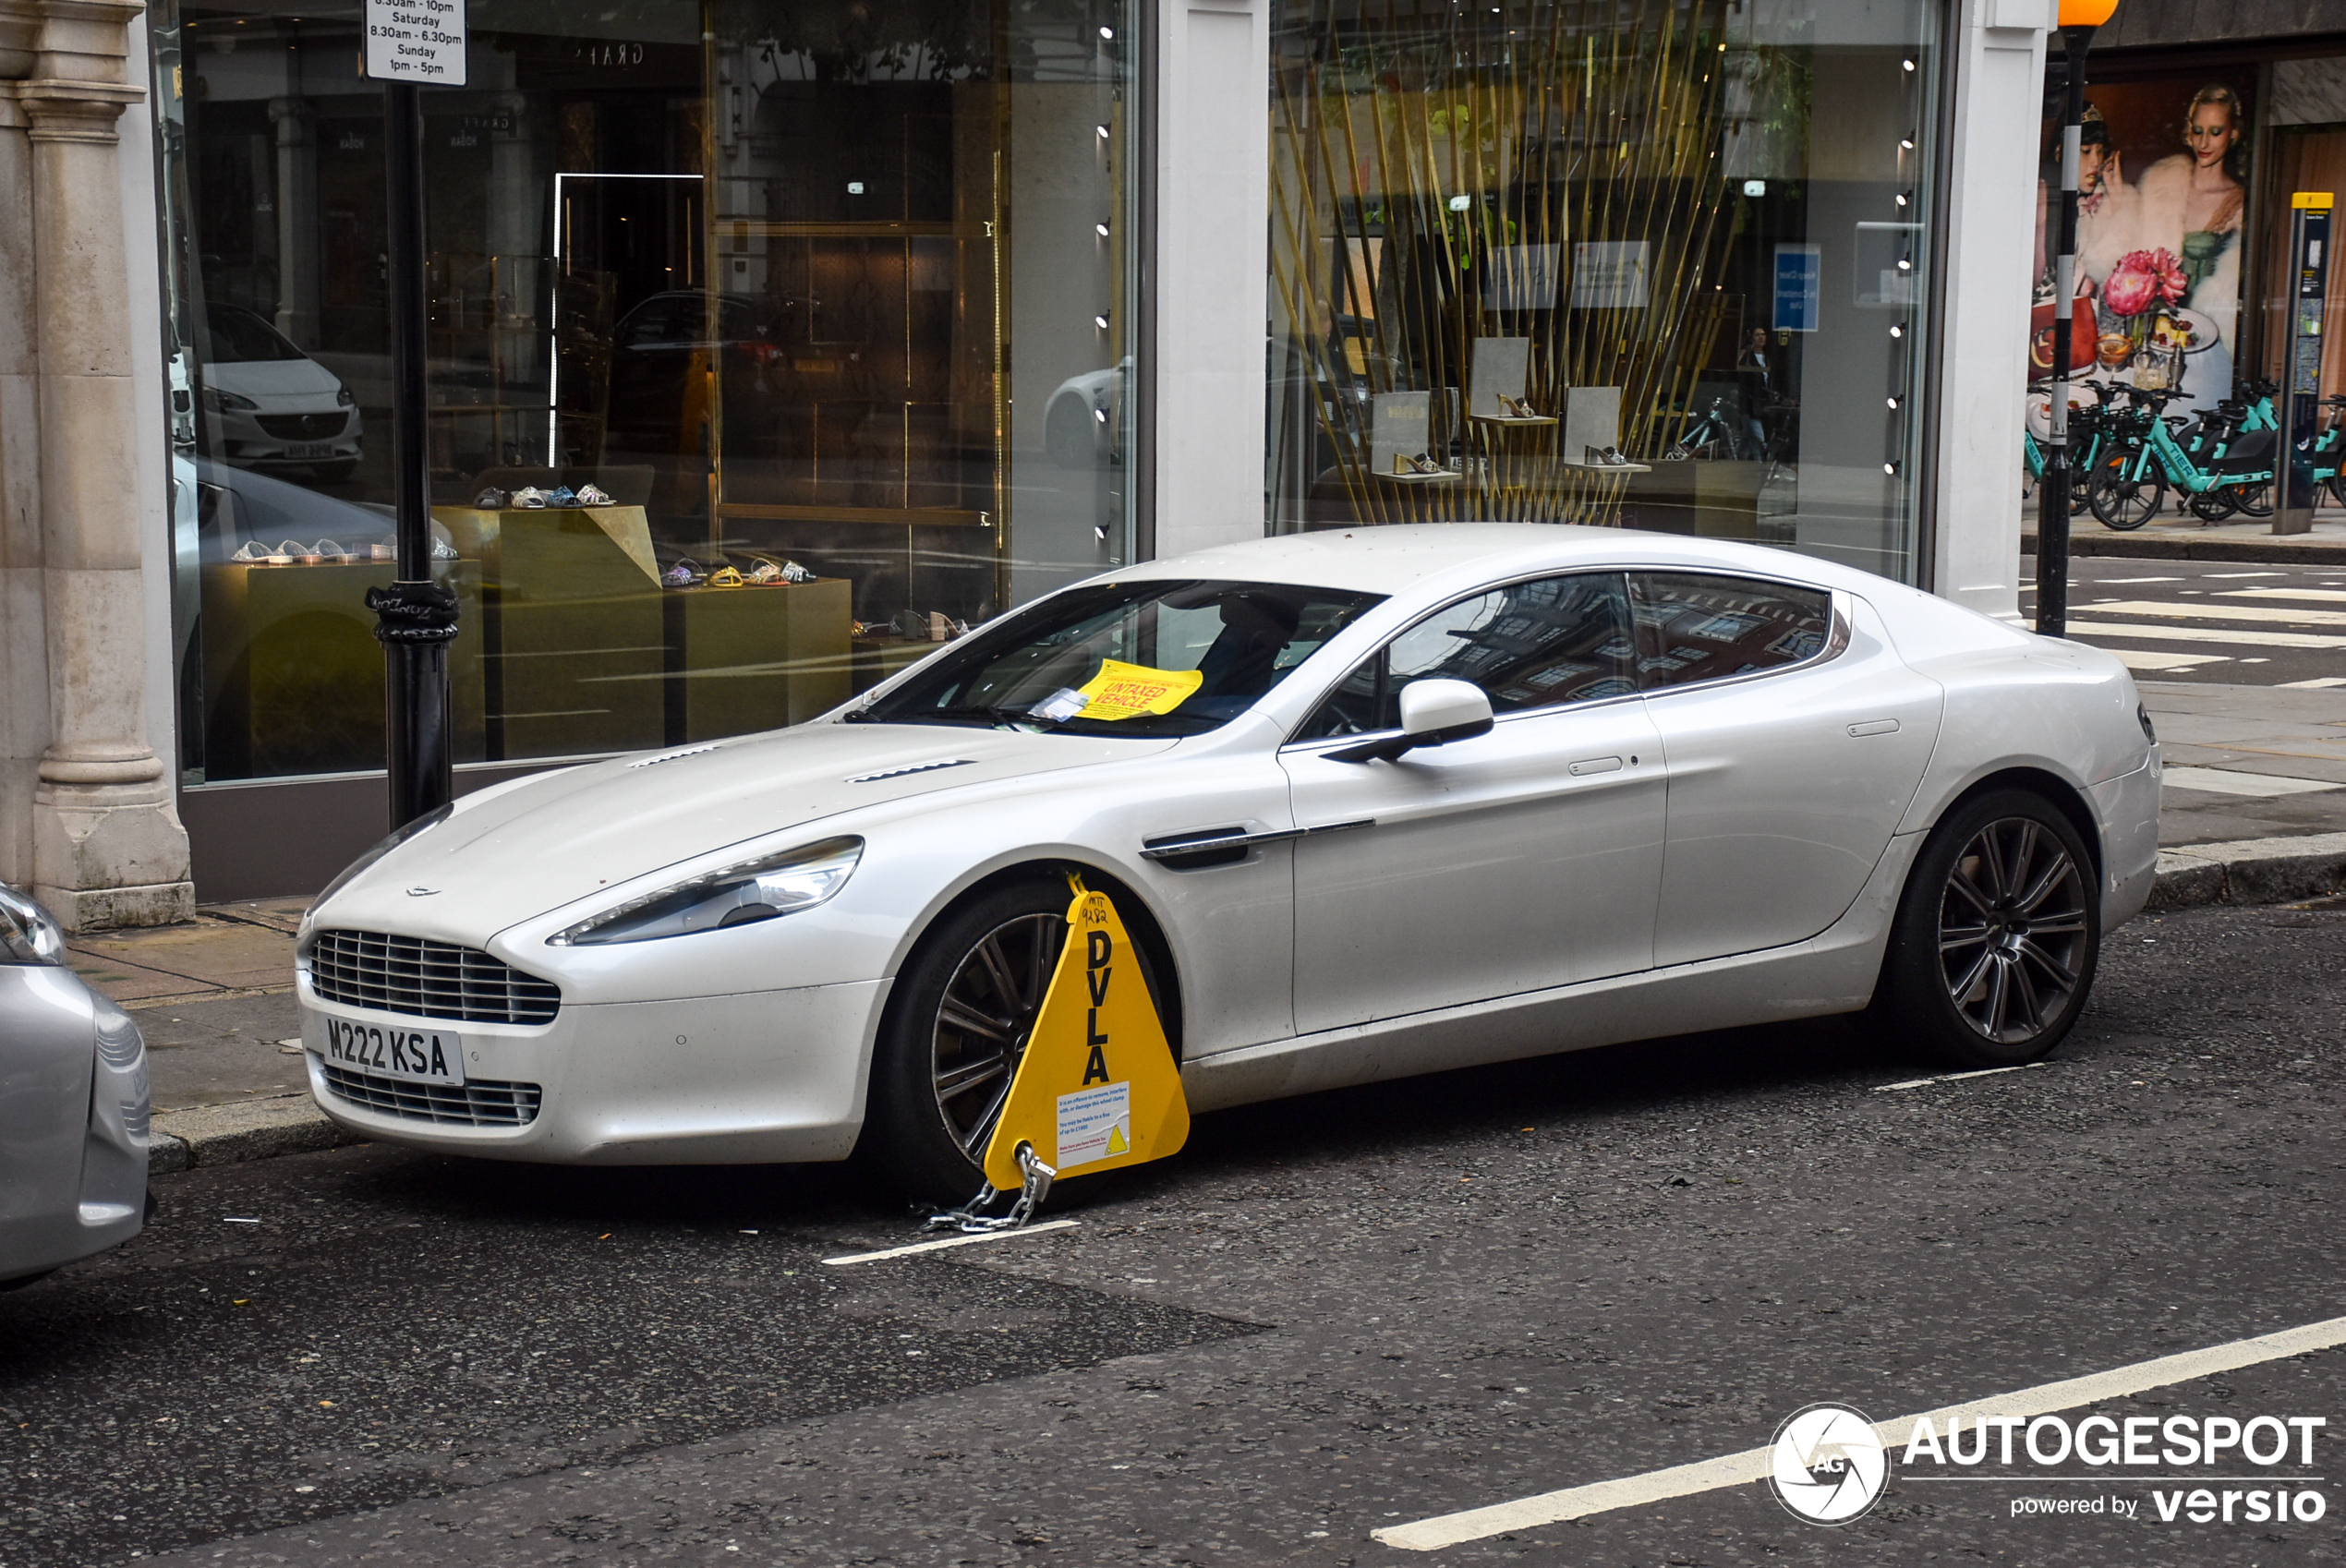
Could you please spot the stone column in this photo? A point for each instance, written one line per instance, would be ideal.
(108, 847)
(300, 237)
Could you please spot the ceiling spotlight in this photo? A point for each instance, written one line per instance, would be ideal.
(1897, 331)
(1894, 403)
(1101, 414)
(1908, 64)
(1100, 229)
(1110, 33)
(1102, 321)
(1102, 130)
(1906, 143)
(1889, 468)
(1904, 265)
(1902, 198)
(1099, 532)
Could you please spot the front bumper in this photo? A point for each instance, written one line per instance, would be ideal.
(749, 1079)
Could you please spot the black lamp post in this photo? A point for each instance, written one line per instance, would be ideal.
(2078, 20)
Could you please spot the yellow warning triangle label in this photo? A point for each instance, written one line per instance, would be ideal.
(1097, 1088)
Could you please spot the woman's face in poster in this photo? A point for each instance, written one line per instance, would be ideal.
(2211, 134)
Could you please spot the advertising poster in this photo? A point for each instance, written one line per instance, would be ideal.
(2162, 217)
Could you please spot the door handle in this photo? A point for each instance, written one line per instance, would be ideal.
(1587, 765)
(1875, 726)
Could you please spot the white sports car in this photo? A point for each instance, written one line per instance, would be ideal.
(1375, 804)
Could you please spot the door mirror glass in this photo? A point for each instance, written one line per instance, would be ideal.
(1433, 713)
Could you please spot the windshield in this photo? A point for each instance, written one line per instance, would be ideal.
(1163, 657)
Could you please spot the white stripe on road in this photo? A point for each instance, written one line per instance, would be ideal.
(2204, 634)
(2138, 658)
(1752, 1465)
(1953, 1077)
(2212, 611)
(2333, 595)
(2316, 684)
(2224, 781)
(951, 1241)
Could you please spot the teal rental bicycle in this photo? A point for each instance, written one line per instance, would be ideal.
(2223, 468)
(2089, 432)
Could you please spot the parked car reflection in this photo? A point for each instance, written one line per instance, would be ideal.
(268, 405)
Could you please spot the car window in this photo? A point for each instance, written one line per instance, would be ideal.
(1541, 644)
(235, 336)
(1154, 658)
(1700, 626)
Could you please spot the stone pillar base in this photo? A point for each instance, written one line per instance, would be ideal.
(102, 908)
(107, 855)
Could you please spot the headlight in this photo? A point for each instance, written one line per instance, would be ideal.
(342, 398)
(429, 819)
(29, 933)
(734, 895)
(215, 398)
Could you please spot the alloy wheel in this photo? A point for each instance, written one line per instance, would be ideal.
(2012, 930)
(983, 1021)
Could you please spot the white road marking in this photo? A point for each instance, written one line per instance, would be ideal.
(2205, 574)
(2332, 595)
(1753, 1464)
(1953, 1077)
(951, 1241)
(2223, 781)
(2099, 581)
(2206, 634)
(2317, 683)
(2137, 658)
(2224, 612)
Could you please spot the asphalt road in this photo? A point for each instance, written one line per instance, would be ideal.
(2245, 623)
(1326, 1317)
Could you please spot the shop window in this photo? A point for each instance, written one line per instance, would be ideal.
(1650, 262)
(721, 291)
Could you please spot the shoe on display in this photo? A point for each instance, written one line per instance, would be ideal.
(330, 549)
(250, 552)
(530, 498)
(294, 546)
(725, 577)
(683, 574)
(765, 574)
(440, 550)
(590, 496)
(1425, 462)
(562, 495)
(491, 499)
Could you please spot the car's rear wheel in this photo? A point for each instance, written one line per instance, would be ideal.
(956, 1028)
(1997, 936)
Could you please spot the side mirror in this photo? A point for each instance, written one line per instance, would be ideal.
(1433, 713)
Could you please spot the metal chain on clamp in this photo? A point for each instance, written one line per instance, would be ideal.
(972, 1218)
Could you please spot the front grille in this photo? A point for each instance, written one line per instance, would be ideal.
(303, 427)
(482, 1102)
(426, 980)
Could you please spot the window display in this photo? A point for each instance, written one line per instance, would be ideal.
(1664, 263)
(725, 419)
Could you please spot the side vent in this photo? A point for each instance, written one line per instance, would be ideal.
(909, 767)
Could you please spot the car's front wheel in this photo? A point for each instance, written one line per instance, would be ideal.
(1996, 938)
(957, 1026)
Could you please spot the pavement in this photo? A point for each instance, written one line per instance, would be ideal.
(2186, 537)
(2254, 813)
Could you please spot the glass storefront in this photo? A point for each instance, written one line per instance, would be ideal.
(770, 345)
(1655, 262)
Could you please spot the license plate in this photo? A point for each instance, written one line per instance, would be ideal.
(421, 1056)
(309, 448)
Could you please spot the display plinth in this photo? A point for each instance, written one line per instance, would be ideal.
(760, 658)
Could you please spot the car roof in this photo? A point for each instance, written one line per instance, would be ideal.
(1390, 558)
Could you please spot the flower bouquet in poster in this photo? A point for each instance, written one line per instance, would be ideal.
(2143, 296)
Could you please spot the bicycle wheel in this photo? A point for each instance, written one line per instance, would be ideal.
(2252, 500)
(2212, 506)
(2120, 498)
(2338, 487)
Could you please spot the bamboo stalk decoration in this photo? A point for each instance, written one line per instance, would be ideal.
(1552, 125)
